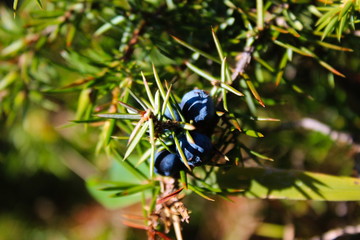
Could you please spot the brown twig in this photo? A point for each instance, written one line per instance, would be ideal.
(129, 49)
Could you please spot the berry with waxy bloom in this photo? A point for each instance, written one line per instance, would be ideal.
(168, 164)
(198, 106)
(197, 152)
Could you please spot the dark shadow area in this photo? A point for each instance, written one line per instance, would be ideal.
(41, 198)
(355, 236)
(271, 179)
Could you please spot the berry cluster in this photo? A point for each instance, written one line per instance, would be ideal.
(198, 108)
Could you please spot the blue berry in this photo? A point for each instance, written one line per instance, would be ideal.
(198, 152)
(198, 106)
(168, 164)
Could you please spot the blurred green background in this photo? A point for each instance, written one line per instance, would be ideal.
(55, 56)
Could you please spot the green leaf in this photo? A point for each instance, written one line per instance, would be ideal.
(292, 21)
(152, 142)
(158, 58)
(15, 4)
(213, 79)
(295, 49)
(181, 152)
(345, 8)
(155, 194)
(253, 133)
(199, 192)
(325, 19)
(80, 63)
(183, 179)
(70, 33)
(202, 73)
(145, 156)
(196, 50)
(187, 126)
(329, 27)
(263, 63)
(39, 3)
(105, 136)
(148, 92)
(312, 9)
(136, 130)
(231, 89)
(117, 186)
(135, 189)
(128, 116)
(262, 156)
(138, 100)
(260, 14)
(157, 102)
(224, 100)
(223, 77)
(84, 104)
(175, 107)
(266, 119)
(8, 79)
(13, 48)
(334, 47)
(136, 140)
(189, 138)
(218, 46)
(158, 82)
(281, 68)
(342, 25)
(167, 105)
(86, 121)
(108, 133)
(331, 69)
(130, 108)
(107, 26)
(253, 90)
(248, 98)
(270, 183)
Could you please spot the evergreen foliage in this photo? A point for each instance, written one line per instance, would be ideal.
(95, 87)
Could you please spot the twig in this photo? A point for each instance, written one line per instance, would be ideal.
(336, 136)
(317, 126)
(243, 60)
(135, 38)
